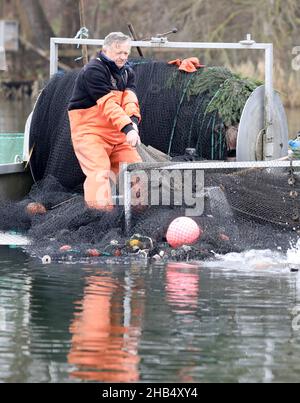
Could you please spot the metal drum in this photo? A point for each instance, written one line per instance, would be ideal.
(252, 128)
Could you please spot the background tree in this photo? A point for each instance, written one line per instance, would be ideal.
(276, 21)
(34, 25)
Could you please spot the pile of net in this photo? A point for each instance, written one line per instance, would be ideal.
(243, 209)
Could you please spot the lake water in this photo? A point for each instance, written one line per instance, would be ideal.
(233, 319)
(13, 115)
(227, 321)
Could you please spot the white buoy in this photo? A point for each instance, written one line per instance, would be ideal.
(46, 259)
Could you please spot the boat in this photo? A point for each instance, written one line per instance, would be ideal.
(254, 143)
(15, 176)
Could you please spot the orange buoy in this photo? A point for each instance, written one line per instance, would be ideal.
(224, 237)
(93, 253)
(65, 248)
(118, 253)
(35, 208)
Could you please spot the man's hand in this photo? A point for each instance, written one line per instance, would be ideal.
(133, 138)
(135, 127)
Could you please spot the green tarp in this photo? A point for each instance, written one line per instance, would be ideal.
(11, 147)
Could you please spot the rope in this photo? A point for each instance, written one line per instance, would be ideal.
(83, 33)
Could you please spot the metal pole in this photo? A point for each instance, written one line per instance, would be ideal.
(169, 45)
(53, 56)
(85, 54)
(159, 43)
(269, 104)
(134, 37)
(127, 198)
(218, 165)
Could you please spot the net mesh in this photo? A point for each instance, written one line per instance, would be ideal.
(173, 120)
(50, 135)
(243, 208)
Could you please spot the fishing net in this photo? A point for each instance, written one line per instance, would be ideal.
(50, 136)
(173, 120)
(243, 208)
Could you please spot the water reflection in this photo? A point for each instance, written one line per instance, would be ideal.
(107, 326)
(174, 323)
(15, 293)
(106, 330)
(182, 287)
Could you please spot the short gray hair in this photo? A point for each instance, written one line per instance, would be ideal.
(115, 37)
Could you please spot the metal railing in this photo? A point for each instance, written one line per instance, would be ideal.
(2, 58)
(159, 42)
(127, 175)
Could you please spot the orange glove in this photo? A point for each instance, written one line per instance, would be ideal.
(189, 65)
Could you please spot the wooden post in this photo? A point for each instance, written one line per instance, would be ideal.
(135, 38)
(1, 9)
(82, 23)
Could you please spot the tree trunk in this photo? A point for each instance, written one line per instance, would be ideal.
(34, 25)
(70, 19)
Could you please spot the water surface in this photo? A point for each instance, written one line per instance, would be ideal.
(224, 321)
(13, 115)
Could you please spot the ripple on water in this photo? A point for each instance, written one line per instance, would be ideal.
(223, 320)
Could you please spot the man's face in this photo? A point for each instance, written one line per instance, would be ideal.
(118, 52)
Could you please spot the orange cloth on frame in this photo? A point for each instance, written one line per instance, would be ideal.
(189, 65)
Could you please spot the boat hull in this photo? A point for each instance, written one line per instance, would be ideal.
(15, 182)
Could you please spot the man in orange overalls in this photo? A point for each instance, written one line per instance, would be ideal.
(104, 114)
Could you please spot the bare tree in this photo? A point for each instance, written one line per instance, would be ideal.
(34, 24)
(276, 21)
(70, 21)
